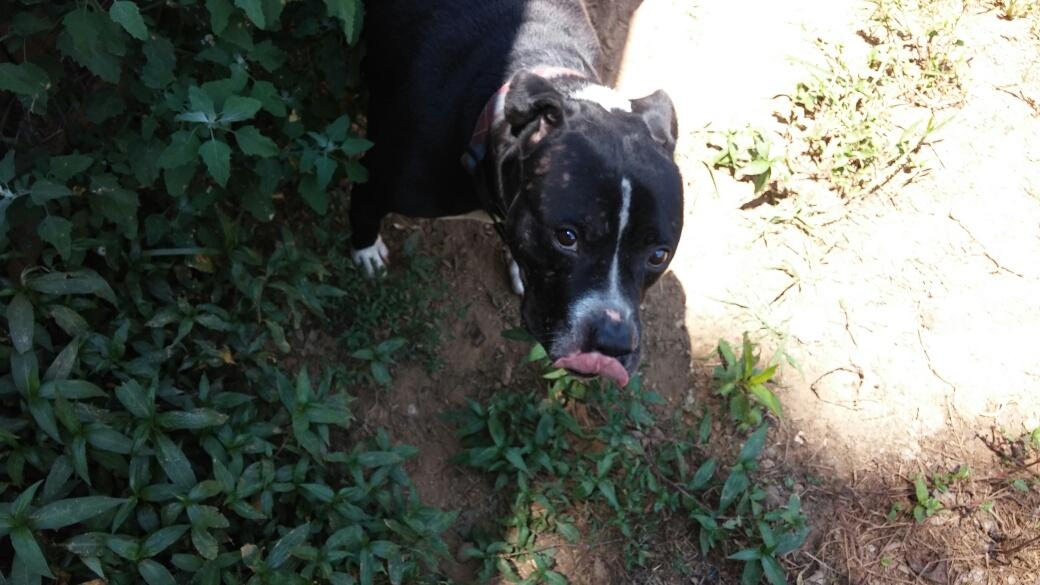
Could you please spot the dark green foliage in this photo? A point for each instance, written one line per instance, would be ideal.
(154, 156)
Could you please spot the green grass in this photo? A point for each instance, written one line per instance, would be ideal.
(842, 116)
(841, 122)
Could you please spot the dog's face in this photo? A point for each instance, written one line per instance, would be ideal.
(597, 218)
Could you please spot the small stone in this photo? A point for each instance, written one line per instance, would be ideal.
(774, 499)
(800, 438)
(767, 464)
(412, 410)
(689, 401)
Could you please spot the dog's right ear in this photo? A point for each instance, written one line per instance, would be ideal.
(658, 113)
(533, 107)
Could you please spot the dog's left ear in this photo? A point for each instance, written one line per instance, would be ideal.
(658, 113)
(533, 107)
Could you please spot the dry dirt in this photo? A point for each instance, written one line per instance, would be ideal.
(913, 313)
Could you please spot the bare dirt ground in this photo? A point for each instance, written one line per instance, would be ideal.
(910, 311)
(913, 313)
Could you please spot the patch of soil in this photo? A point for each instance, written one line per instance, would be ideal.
(478, 361)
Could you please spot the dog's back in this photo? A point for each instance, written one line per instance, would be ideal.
(454, 55)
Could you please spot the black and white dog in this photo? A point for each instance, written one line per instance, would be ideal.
(495, 106)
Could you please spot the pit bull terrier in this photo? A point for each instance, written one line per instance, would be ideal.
(495, 107)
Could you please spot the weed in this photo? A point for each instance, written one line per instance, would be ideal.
(380, 358)
(843, 117)
(1014, 9)
(927, 491)
(612, 460)
(747, 155)
(744, 384)
(1020, 453)
(406, 303)
(918, 45)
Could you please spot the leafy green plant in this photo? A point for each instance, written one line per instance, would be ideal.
(409, 302)
(533, 443)
(926, 505)
(151, 430)
(926, 493)
(380, 358)
(744, 383)
(746, 153)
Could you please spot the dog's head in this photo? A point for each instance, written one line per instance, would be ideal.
(597, 215)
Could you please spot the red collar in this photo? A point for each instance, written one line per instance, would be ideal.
(477, 148)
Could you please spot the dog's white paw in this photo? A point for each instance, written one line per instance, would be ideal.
(515, 279)
(374, 259)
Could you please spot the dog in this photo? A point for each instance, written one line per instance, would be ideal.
(495, 108)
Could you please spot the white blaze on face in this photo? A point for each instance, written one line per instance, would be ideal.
(609, 300)
(626, 203)
(608, 98)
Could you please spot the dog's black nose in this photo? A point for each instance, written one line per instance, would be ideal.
(613, 336)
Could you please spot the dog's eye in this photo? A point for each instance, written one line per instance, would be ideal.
(658, 257)
(567, 238)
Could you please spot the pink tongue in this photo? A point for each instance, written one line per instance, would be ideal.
(595, 364)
